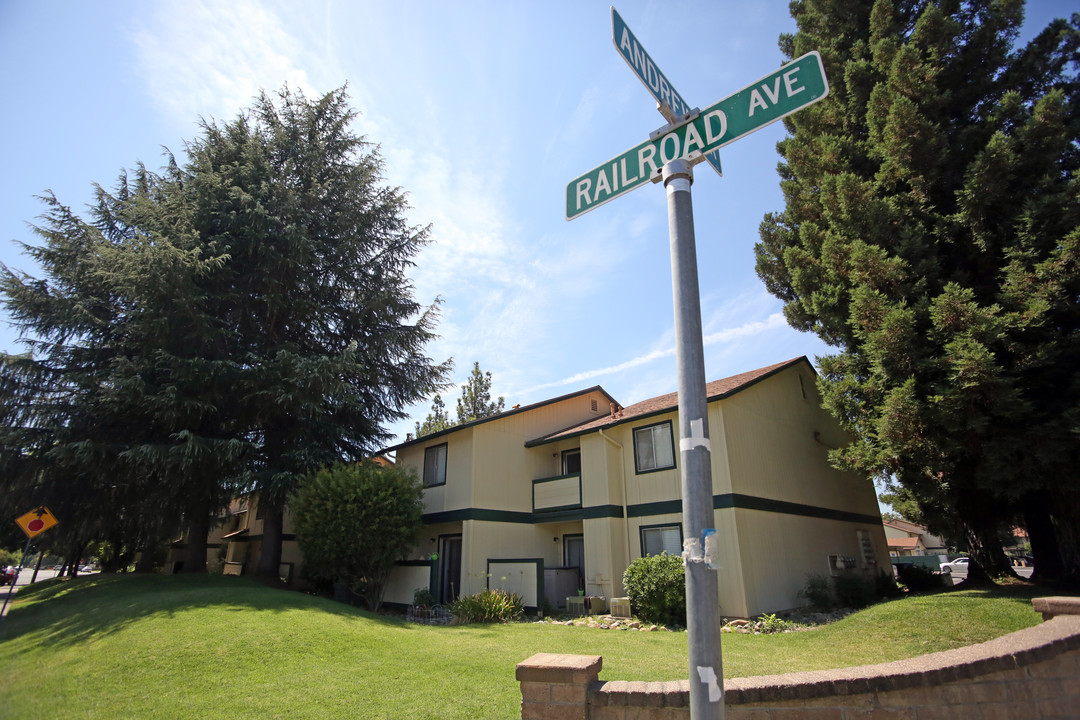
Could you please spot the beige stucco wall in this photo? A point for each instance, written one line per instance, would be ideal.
(777, 440)
(488, 465)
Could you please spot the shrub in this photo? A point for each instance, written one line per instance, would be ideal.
(818, 591)
(770, 624)
(353, 522)
(656, 586)
(854, 591)
(422, 597)
(919, 578)
(488, 606)
(885, 585)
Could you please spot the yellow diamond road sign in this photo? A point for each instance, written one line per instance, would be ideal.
(36, 521)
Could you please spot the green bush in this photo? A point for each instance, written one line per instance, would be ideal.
(422, 597)
(885, 585)
(488, 606)
(818, 591)
(919, 578)
(854, 591)
(353, 522)
(770, 624)
(656, 586)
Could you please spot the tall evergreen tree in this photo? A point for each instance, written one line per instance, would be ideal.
(104, 421)
(437, 420)
(228, 325)
(316, 287)
(475, 402)
(932, 234)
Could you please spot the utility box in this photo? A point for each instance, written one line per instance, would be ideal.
(620, 607)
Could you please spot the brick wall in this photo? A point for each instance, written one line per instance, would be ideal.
(1032, 673)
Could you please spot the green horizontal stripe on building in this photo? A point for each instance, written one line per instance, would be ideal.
(667, 507)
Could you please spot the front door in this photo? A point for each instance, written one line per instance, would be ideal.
(449, 568)
(574, 556)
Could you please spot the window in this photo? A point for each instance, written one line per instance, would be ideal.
(656, 539)
(435, 465)
(571, 462)
(653, 448)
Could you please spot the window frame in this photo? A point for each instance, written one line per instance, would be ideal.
(659, 526)
(671, 438)
(569, 453)
(445, 449)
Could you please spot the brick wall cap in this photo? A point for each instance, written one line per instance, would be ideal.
(560, 668)
(1054, 606)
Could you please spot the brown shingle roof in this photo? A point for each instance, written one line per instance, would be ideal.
(715, 390)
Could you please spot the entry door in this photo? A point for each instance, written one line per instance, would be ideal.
(574, 555)
(449, 568)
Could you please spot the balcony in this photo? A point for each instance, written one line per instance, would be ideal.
(557, 493)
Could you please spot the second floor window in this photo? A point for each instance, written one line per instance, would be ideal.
(435, 465)
(653, 447)
(571, 462)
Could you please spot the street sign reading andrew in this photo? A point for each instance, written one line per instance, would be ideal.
(794, 86)
(668, 100)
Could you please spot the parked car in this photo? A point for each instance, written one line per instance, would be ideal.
(7, 575)
(957, 565)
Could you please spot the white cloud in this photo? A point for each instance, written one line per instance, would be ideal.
(666, 349)
(209, 58)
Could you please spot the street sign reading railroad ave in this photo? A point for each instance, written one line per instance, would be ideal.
(794, 86)
(668, 100)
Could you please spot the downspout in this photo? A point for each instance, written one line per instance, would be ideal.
(622, 474)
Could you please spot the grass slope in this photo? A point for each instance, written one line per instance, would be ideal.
(216, 647)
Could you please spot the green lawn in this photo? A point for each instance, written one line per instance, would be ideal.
(216, 647)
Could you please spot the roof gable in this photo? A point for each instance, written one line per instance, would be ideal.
(500, 416)
(716, 390)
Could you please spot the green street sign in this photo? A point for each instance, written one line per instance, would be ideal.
(668, 100)
(794, 86)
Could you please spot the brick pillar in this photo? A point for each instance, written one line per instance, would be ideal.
(556, 686)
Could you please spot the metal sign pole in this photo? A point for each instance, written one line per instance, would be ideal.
(699, 546)
(18, 572)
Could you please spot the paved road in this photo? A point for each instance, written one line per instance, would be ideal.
(24, 580)
(961, 575)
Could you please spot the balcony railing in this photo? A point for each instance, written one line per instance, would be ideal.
(557, 493)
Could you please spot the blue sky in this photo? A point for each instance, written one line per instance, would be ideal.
(484, 111)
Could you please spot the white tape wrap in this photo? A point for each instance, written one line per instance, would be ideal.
(697, 437)
(708, 675)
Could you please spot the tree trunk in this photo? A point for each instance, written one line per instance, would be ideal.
(1044, 543)
(76, 558)
(270, 550)
(198, 529)
(980, 523)
(145, 563)
(1065, 515)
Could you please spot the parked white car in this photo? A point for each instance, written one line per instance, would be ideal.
(957, 565)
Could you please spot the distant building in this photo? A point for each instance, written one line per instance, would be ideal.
(908, 538)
